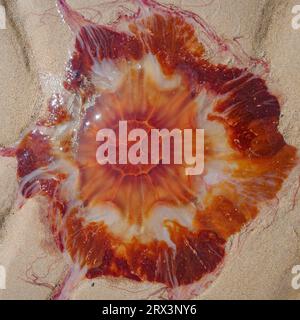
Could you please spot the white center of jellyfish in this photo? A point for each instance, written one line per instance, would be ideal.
(108, 76)
(153, 226)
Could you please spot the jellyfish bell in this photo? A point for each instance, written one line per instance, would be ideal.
(157, 68)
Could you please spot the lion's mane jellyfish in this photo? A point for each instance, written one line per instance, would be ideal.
(158, 67)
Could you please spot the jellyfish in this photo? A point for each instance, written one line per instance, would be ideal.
(154, 67)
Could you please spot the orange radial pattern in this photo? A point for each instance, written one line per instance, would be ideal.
(157, 67)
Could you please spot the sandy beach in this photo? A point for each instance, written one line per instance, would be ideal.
(34, 50)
